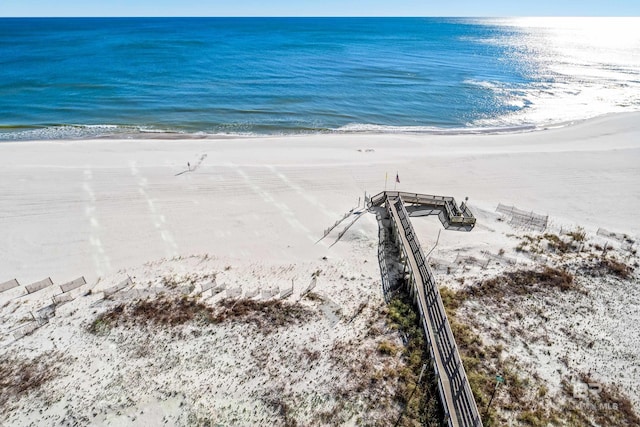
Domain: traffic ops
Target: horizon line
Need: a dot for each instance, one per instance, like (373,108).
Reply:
(317,16)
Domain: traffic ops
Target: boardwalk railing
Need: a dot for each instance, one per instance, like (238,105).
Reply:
(455,393)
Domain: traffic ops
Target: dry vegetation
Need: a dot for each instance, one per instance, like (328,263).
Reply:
(373,374)
(549,242)
(605,265)
(385,377)
(522,282)
(21,376)
(424,405)
(380,368)
(571,246)
(173,311)
(607,407)
(524,396)
(482,362)
(521,301)
(265,315)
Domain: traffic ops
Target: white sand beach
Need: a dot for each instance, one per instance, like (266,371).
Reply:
(251,211)
(94,207)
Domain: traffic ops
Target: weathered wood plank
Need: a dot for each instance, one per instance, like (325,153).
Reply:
(74,284)
(37,286)
(112,290)
(9,285)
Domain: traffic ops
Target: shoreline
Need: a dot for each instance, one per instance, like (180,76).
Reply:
(139,132)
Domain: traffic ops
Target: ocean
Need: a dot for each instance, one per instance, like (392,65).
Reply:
(105,77)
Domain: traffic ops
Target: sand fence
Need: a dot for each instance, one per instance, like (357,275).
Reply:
(74,284)
(626,242)
(43,314)
(523,219)
(117,288)
(9,285)
(38,286)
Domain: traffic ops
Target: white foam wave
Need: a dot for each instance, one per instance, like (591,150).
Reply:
(371,128)
(59,132)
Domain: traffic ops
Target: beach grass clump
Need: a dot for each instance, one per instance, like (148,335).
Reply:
(419,399)
(20,376)
(283,409)
(614,267)
(607,265)
(530,243)
(616,409)
(170,282)
(163,311)
(100,326)
(522,282)
(549,242)
(534,418)
(477,358)
(578,235)
(174,311)
(451,300)
(556,244)
(387,348)
(312,296)
(263,314)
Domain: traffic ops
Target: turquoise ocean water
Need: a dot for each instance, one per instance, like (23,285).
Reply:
(71,78)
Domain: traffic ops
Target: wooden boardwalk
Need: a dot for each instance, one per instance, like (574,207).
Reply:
(457,399)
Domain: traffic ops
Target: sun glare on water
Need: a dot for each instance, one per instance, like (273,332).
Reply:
(581,67)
